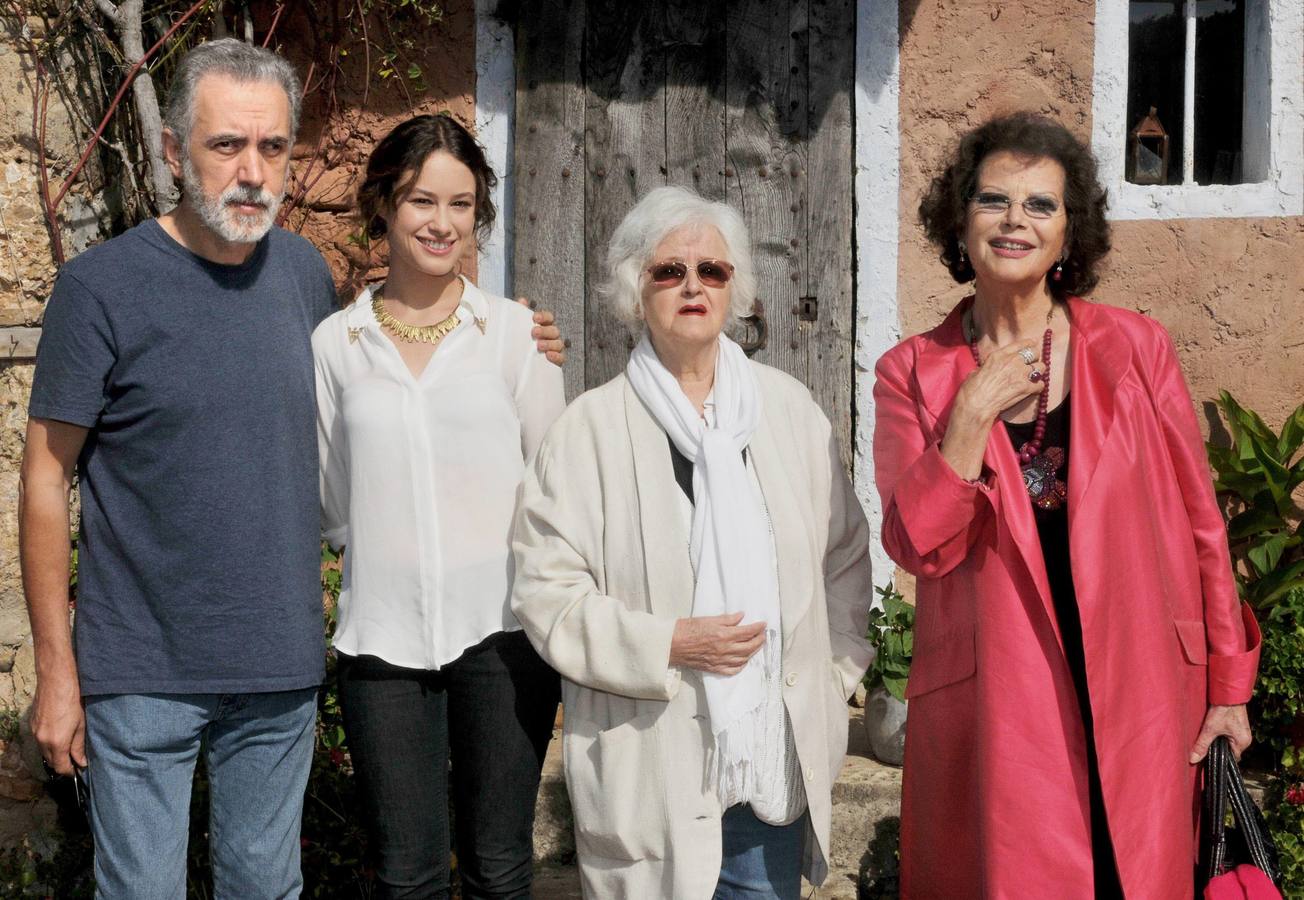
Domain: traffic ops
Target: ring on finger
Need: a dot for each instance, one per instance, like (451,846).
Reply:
(1027,355)
(1034,376)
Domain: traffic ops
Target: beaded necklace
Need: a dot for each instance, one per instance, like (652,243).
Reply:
(1028,452)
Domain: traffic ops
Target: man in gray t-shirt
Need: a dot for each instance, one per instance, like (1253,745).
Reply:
(175,374)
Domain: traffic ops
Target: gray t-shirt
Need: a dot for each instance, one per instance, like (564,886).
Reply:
(199,558)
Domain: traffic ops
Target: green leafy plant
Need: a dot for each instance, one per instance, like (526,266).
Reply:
(10,722)
(1277,714)
(892,635)
(1279,692)
(1285,815)
(34,869)
(73,540)
(880,865)
(1257,475)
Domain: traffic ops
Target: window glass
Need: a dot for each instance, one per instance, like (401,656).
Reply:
(1219,90)
(1156,56)
(1155,79)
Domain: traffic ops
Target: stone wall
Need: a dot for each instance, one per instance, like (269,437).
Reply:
(1230,291)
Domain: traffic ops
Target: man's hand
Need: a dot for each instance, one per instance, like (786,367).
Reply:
(546,333)
(58,722)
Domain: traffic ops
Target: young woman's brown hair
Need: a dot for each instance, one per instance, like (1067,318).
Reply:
(400,155)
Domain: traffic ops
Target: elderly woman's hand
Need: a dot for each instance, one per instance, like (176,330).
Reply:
(715,644)
(1000,382)
(1232,721)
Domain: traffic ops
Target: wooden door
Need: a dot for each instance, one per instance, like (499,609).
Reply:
(747,101)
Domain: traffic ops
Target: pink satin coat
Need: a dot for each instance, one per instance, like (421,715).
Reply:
(995,795)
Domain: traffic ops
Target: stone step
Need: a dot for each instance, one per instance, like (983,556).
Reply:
(866,810)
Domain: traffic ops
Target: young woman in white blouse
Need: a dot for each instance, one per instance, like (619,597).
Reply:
(431,396)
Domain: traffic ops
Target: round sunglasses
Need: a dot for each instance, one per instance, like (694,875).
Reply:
(713,273)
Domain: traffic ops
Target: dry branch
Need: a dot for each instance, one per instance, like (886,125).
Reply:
(126,19)
(117,98)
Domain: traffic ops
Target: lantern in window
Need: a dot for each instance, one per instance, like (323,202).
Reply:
(1147,157)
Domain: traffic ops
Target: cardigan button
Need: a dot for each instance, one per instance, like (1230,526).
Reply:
(810,774)
(791,679)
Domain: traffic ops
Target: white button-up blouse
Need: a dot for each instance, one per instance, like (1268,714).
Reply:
(419,475)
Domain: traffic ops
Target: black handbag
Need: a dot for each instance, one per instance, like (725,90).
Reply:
(1249,841)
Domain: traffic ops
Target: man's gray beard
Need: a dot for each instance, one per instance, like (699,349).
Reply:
(220,218)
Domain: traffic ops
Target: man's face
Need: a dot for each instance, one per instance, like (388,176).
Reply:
(234,166)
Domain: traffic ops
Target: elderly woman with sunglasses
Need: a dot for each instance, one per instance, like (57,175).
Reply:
(691,558)
(1078,639)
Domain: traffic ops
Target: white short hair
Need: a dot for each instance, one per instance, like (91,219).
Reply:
(661,211)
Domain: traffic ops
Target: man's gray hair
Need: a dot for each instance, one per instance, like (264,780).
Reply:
(661,211)
(234,59)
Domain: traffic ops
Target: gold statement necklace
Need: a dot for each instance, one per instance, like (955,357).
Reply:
(412,334)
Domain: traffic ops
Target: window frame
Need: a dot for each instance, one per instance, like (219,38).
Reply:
(1280,193)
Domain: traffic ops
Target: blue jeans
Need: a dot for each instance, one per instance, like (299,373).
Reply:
(492,712)
(142,750)
(760,861)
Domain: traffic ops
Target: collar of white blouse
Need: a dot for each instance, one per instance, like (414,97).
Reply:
(361,323)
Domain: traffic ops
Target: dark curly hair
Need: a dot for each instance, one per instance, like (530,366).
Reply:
(404,150)
(945,207)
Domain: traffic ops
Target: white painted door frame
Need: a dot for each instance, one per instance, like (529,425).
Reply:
(495,114)
(877,227)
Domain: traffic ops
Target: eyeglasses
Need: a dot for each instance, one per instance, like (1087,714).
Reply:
(713,273)
(999,204)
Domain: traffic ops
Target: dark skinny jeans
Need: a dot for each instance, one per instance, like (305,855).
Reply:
(493,710)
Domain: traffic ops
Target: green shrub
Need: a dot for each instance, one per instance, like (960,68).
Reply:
(10,723)
(1277,714)
(1278,704)
(892,635)
(1257,477)
(33,869)
(1285,814)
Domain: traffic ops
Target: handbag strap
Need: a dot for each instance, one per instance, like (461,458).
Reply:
(1249,823)
(1213,812)
(1223,784)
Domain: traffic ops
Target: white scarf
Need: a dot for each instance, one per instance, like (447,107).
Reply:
(729,544)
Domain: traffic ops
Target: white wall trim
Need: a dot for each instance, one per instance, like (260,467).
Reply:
(877,228)
(495,112)
(1281,194)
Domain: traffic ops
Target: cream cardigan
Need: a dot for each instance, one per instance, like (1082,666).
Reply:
(603,573)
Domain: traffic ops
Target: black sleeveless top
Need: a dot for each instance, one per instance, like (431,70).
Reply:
(1046,480)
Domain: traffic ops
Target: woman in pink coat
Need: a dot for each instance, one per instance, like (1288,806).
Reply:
(1078,641)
